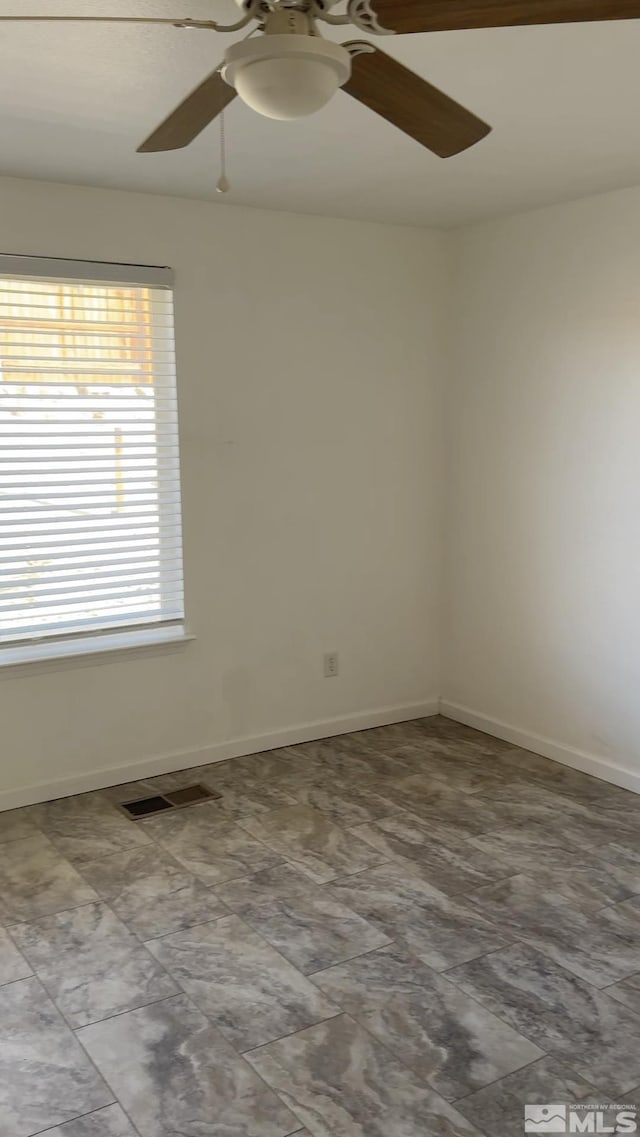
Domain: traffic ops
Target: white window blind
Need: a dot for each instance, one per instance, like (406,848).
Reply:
(90,530)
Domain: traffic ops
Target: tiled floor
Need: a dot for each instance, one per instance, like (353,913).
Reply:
(409,932)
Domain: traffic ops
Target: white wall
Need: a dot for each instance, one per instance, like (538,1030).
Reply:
(312,358)
(542,625)
(310,368)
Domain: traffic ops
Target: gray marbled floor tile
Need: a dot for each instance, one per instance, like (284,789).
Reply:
(399,901)
(499,1108)
(369,744)
(523,849)
(387,737)
(357,764)
(519,801)
(311,842)
(479,749)
(624,919)
(540,812)
(453,868)
(342,1083)
(410,796)
(427,758)
(35,879)
(441,832)
(16,824)
(175,1074)
(287,762)
(91,965)
(627,992)
(624,852)
(246,988)
(135,873)
(86,827)
(343,757)
(535,766)
(438,734)
(371,740)
(614,800)
(352,762)
(345,805)
(430,770)
(442,804)
(448,1039)
(333,757)
(444,750)
(466,772)
(563,779)
(12,965)
(288,766)
(519,790)
(438,726)
(348,761)
(593,830)
(548,830)
(45,1076)
(243,792)
(151,892)
(211,849)
(623,922)
(599,949)
(172,911)
(559,1012)
(305,924)
(589,887)
(424,734)
(468,779)
(435,769)
(389,769)
(108,1122)
(478,740)
(583,875)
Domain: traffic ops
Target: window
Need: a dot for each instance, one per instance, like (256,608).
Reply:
(90,532)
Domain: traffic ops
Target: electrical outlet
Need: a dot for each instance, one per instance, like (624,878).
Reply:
(330,664)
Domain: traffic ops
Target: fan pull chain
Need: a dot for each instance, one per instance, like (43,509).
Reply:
(222,184)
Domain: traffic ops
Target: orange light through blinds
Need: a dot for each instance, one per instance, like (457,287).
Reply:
(90,531)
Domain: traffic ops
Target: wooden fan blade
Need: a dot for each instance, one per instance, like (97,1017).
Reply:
(404,16)
(187,121)
(412,104)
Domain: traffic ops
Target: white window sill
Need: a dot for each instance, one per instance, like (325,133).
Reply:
(87,650)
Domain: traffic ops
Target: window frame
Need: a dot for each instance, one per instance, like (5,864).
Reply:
(80,646)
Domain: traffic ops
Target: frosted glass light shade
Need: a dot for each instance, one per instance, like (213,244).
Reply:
(286,76)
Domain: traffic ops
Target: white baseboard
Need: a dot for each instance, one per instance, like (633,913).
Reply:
(272,740)
(579,759)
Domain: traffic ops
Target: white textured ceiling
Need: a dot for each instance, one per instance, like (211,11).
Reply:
(75,101)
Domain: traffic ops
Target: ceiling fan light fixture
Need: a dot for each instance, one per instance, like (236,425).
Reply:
(286,76)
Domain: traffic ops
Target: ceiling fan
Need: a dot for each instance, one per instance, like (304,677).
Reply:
(291,71)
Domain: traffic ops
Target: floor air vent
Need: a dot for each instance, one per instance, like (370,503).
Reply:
(172,799)
(146,805)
